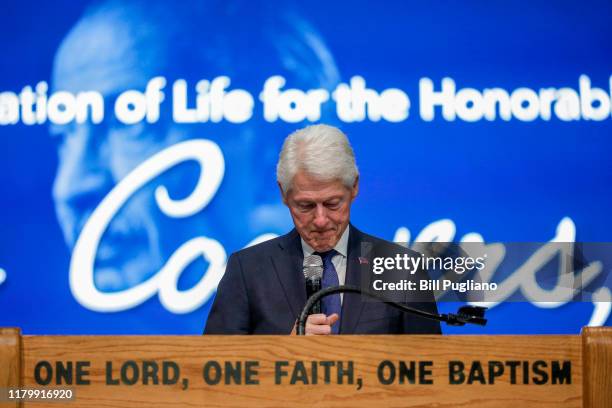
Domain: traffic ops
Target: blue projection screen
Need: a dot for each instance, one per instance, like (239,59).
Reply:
(139,142)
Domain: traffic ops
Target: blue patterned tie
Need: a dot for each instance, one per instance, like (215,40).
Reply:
(330,304)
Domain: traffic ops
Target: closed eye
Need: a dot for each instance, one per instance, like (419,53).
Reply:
(333,204)
(304,206)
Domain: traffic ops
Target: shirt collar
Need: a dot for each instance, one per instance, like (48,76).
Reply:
(341,246)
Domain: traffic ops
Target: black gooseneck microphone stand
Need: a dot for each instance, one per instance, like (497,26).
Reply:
(465,314)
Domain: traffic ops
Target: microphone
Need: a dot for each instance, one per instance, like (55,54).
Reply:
(313,272)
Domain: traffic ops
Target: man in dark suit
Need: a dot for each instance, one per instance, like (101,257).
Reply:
(263,289)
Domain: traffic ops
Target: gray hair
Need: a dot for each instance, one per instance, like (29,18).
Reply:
(321,151)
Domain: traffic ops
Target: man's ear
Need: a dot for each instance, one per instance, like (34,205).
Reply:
(282,193)
(355,189)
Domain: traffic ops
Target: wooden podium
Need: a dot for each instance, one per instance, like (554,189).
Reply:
(336,371)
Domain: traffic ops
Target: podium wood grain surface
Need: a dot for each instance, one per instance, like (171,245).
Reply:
(367,354)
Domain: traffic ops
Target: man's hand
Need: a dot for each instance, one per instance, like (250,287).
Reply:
(318,324)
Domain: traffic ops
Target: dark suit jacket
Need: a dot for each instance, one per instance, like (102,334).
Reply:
(263,292)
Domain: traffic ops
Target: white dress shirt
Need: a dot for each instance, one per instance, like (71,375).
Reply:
(339,259)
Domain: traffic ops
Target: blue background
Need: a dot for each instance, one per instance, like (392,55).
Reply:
(508,181)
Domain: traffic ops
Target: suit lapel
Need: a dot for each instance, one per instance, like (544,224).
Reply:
(352,305)
(288,267)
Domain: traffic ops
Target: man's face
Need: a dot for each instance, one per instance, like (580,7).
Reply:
(114,52)
(320,209)
(99,55)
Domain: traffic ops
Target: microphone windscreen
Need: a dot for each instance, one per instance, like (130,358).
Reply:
(313,267)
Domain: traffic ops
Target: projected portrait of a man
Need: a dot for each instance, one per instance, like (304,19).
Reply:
(122,45)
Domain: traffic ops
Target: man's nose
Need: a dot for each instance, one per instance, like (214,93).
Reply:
(321,218)
(83,177)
